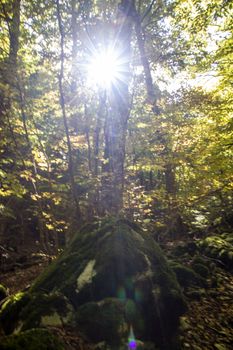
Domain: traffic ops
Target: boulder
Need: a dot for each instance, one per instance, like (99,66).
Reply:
(187,276)
(27,310)
(33,339)
(112,277)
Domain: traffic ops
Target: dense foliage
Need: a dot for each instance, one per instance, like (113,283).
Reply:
(53,144)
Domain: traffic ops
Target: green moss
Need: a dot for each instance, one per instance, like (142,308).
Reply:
(128,265)
(130,224)
(25,310)
(113,243)
(53,278)
(103,321)
(117,261)
(70,264)
(53,320)
(140,346)
(219,247)
(179,250)
(11,309)
(187,276)
(3,292)
(195,294)
(199,260)
(147,346)
(201,270)
(89,227)
(34,339)
(43,308)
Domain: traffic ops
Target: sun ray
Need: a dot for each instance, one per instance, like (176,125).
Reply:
(106,68)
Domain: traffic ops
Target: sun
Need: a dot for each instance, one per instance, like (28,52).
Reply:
(104,68)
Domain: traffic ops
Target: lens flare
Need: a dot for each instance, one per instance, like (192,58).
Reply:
(132,344)
(104,68)
(121,293)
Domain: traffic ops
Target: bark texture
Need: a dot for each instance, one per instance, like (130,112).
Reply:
(118,113)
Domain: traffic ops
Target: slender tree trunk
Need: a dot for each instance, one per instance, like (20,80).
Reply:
(170,179)
(145,62)
(175,226)
(52,208)
(74,32)
(152,99)
(44,240)
(14,29)
(87,131)
(99,120)
(96,147)
(8,71)
(118,114)
(64,115)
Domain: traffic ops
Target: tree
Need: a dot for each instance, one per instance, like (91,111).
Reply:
(84,148)
(118,114)
(63,107)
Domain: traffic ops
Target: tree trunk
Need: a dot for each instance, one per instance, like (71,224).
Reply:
(64,116)
(99,121)
(74,32)
(151,95)
(14,31)
(8,69)
(118,114)
(145,62)
(44,240)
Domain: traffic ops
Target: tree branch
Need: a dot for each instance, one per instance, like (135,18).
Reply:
(148,10)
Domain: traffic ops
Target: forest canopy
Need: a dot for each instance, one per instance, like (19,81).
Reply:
(114,108)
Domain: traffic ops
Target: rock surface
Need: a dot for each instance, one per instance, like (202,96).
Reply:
(33,339)
(111,276)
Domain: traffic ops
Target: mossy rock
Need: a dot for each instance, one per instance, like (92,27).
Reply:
(10,311)
(201,269)
(200,260)
(179,250)
(46,310)
(110,320)
(34,339)
(25,310)
(220,248)
(186,276)
(3,292)
(103,320)
(185,248)
(195,294)
(118,271)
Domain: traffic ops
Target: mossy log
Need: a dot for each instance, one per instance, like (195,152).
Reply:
(111,276)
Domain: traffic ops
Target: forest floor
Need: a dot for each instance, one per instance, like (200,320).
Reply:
(207,325)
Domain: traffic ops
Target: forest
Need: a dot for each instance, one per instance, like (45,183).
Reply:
(116,174)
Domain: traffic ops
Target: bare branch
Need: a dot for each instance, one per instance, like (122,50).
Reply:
(148,10)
